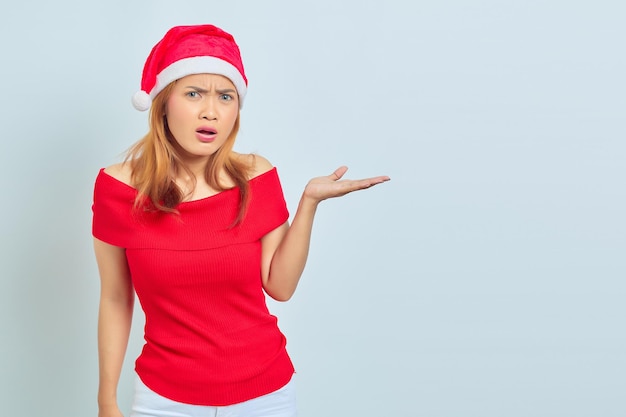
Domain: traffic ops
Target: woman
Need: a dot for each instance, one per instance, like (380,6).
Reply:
(200,233)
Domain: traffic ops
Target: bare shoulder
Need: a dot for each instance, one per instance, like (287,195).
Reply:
(121,172)
(258,164)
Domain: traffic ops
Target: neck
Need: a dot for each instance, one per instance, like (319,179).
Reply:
(191,180)
(197,167)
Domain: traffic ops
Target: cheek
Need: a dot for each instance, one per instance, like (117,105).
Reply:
(169,105)
(175,116)
(177,105)
(232,116)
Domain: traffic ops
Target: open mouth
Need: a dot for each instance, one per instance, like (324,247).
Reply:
(207,131)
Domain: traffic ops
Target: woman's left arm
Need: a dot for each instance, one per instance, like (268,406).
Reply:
(286,248)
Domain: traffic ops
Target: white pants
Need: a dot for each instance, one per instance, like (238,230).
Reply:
(280,403)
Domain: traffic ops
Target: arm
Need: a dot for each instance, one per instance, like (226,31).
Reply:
(114,321)
(285,249)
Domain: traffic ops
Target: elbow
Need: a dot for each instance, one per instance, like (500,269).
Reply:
(282,298)
(118,302)
(280,295)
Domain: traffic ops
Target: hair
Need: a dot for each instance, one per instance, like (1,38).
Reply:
(155,164)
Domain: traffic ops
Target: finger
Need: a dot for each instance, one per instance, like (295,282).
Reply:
(339,172)
(379,179)
(366,183)
(372,180)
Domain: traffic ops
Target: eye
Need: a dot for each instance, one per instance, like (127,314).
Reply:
(192,94)
(226,97)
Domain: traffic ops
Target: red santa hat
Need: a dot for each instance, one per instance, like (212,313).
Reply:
(186,50)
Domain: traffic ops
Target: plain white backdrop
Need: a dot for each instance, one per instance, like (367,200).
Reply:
(487,279)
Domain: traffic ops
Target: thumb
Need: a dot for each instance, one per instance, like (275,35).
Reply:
(339,172)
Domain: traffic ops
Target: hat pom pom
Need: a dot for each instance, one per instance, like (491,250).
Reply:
(141,101)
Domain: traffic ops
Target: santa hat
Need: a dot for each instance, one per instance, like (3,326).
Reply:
(186,50)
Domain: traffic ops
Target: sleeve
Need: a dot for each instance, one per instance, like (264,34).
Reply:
(267,209)
(112,211)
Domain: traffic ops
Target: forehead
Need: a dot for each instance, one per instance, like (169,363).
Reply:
(206,80)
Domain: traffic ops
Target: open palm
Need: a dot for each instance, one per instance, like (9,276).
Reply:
(332,185)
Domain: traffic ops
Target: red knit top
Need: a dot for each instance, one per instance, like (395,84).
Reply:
(209,337)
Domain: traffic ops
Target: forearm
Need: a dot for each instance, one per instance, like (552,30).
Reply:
(283,262)
(291,255)
(114,322)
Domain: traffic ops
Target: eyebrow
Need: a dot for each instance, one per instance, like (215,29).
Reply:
(203,90)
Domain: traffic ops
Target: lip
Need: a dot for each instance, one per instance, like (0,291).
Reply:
(206,134)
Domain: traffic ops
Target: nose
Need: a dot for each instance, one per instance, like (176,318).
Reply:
(209,110)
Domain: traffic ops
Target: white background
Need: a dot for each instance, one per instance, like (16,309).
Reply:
(486,279)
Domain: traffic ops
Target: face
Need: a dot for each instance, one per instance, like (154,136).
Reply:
(201,112)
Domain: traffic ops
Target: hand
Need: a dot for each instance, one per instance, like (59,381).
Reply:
(330,186)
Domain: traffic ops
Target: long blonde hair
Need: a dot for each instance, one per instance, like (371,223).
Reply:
(155,163)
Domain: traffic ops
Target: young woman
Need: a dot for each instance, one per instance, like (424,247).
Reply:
(199,232)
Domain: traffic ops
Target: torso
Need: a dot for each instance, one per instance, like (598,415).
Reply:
(224,346)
